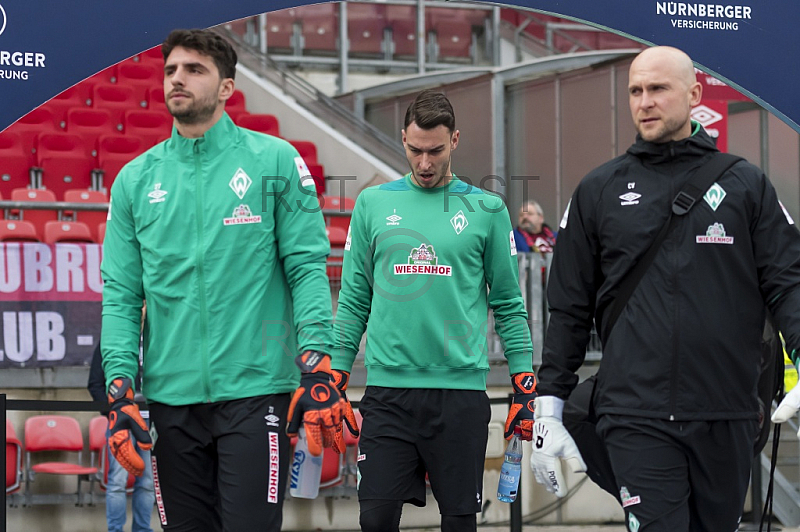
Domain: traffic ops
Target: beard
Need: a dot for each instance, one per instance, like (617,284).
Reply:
(195,113)
(528,227)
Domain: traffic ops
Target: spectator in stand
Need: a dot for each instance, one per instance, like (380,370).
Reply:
(532,234)
(116,496)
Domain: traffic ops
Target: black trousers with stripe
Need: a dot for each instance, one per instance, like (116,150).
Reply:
(221,466)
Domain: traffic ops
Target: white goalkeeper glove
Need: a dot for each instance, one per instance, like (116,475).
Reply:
(788,407)
(551,442)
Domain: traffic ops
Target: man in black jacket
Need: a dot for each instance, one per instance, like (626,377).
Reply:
(675,396)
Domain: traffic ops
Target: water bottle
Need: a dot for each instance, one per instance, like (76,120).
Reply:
(306,470)
(512,469)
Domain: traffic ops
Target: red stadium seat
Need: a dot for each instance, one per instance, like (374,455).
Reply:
(13,459)
(62,231)
(337,236)
(66,160)
(91,218)
(37,217)
(151,56)
(116,99)
(341,204)
(30,126)
(318,173)
(107,75)
(155,100)
(101,232)
(91,124)
(15,163)
(332,468)
(98,427)
(454,41)
(306,149)
(403,22)
(141,77)
(151,126)
(365,25)
(338,203)
(320,26)
(453,29)
(236,104)
(76,97)
(54,433)
(258,122)
(280,27)
(114,152)
(17,231)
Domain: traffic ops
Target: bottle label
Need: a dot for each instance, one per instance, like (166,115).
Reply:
(297,462)
(509,481)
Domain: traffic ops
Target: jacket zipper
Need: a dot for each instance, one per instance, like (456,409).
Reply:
(201,278)
(673,379)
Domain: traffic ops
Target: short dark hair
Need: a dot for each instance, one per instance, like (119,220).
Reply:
(206,42)
(431,109)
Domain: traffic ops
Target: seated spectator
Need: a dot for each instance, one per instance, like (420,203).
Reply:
(532,234)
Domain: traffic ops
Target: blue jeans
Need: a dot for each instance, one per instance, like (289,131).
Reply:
(116,499)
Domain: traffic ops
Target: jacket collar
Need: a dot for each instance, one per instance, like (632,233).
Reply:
(696,145)
(215,141)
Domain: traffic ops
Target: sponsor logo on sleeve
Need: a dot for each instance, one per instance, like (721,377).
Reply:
(513,243)
(564,218)
(785,213)
(306,179)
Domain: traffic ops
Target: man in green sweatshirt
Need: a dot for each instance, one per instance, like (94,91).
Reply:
(426,257)
(219,229)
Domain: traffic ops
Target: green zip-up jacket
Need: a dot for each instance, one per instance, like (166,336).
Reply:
(423,266)
(227,244)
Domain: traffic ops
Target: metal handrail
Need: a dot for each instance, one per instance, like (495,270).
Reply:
(337,115)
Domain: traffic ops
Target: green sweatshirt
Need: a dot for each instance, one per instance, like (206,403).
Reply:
(227,244)
(423,266)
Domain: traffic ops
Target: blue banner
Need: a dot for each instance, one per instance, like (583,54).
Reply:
(48,46)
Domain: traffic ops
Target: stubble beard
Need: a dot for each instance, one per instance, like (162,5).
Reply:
(196,113)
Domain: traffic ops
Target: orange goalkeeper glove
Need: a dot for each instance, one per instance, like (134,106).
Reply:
(521,411)
(341,379)
(316,403)
(124,420)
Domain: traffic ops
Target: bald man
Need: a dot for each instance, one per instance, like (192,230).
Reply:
(673,409)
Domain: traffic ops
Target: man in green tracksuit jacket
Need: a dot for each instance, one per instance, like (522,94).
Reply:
(218,228)
(426,256)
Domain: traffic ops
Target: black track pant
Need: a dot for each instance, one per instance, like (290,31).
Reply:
(221,466)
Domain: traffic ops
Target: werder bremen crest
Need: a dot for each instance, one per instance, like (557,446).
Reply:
(714,196)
